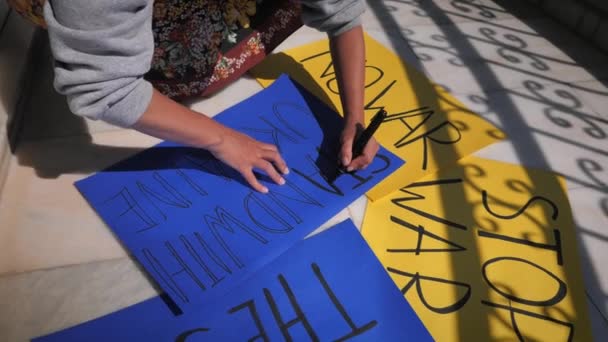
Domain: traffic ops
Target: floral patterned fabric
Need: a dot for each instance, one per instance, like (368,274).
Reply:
(202,45)
(30,9)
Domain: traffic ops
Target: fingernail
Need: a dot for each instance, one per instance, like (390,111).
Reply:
(344,161)
(350,169)
(286,171)
(282,181)
(265,190)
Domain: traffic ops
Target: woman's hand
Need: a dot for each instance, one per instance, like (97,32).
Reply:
(245,154)
(369,151)
(169,120)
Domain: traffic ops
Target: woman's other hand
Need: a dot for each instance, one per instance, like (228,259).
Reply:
(245,154)
(169,120)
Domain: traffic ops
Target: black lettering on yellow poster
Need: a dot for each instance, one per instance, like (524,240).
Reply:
(484,251)
(426,126)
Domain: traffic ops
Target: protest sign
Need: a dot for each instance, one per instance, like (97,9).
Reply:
(329,287)
(484,251)
(198,228)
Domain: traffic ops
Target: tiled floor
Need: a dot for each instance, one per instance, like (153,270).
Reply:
(59,265)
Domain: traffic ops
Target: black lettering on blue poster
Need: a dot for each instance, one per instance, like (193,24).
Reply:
(386,163)
(199,189)
(250,306)
(274,132)
(128,210)
(212,166)
(283,324)
(261,219)
(274,207)
(278,109)
(209,251)
(354,329)
(163,274)
(169,195)
(183,337)
(227,222)
(199,260)
(318,178)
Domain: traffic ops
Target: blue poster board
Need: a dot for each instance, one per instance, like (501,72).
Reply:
(330,287)
(198,228)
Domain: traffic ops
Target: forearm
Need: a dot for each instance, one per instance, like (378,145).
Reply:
(169,120)
(348,55)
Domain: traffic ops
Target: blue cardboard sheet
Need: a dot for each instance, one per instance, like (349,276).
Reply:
(198,228)
(329,287)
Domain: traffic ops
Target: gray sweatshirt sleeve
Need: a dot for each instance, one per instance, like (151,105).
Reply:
(332,16)
(102,49)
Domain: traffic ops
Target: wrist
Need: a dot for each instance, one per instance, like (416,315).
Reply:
(351,119)
(214,136)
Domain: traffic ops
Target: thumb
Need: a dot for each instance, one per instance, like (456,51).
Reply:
(346,150)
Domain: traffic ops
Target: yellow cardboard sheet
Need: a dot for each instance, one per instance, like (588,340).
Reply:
(427,127)
(484,251)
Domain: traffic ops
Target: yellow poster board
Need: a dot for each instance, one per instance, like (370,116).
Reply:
(484,251)
(427,127)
